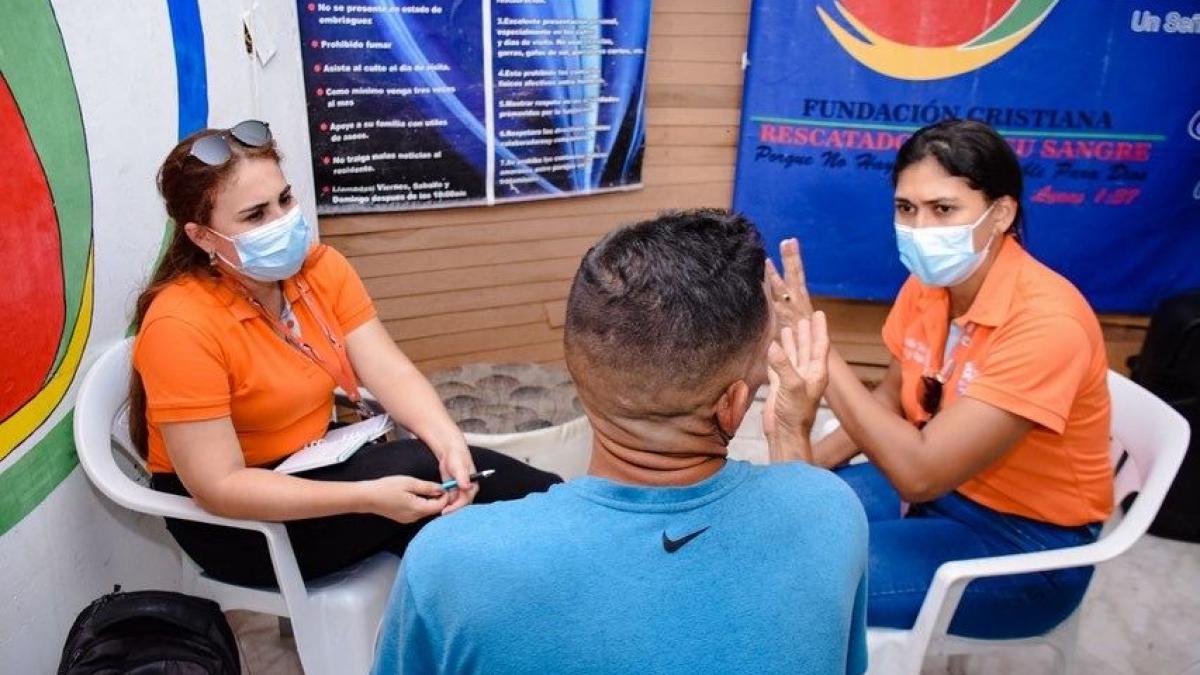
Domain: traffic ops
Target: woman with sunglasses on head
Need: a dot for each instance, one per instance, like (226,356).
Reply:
(244,331)
(989,433)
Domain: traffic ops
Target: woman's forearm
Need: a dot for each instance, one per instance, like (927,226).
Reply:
(262,494)
(414,403)
(835,449)
(209,461)
(890,441)
(922,464)
(400,387)
(838,447)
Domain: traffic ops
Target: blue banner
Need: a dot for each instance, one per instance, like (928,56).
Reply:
(436,103)
(1100,101)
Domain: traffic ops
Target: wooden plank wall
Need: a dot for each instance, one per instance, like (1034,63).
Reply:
(488,284)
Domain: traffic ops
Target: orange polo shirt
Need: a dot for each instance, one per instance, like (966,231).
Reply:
(204,352)
(1037,351)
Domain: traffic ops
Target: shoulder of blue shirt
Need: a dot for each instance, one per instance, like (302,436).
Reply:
(482,532)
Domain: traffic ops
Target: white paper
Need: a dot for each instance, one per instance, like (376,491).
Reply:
(337,446)
(262,31)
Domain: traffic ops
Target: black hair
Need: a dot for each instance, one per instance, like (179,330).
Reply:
(971,150)
(676,299)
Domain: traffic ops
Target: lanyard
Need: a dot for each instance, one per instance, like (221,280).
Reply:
(343,374)
(941,377)
(964,340)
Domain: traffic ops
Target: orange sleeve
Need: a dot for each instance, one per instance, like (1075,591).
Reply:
(343,290)
(183,371)
(1033,368)
(898,318)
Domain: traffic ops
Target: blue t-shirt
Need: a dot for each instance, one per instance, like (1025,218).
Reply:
(759,569)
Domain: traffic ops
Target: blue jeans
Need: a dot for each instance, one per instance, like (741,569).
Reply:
(906,551)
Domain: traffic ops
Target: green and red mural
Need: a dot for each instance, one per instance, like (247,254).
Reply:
(45,224)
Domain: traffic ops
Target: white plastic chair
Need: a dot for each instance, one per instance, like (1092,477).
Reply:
(564,449)
(334,619)
(1155,438)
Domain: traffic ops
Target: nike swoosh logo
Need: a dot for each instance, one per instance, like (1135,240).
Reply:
(671,545)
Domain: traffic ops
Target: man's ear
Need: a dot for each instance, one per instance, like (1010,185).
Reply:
(732,407)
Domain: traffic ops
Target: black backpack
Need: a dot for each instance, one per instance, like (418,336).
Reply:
(150,632)
(1169,366)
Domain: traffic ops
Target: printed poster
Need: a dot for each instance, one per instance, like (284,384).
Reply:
(448,103)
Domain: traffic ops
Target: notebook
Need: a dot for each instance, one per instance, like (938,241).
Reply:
(337,446)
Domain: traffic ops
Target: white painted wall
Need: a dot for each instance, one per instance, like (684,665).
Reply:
(75,545)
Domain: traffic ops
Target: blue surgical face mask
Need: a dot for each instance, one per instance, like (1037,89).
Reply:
(273,251)
(942,256)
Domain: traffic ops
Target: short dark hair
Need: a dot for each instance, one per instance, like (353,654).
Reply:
(971,150)
(675,300)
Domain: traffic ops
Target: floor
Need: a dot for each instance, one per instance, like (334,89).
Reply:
(1141,617)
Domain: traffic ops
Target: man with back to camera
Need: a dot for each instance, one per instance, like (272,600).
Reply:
(667,557)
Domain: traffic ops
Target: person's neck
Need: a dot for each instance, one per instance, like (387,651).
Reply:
(963,295)
(269,294)
(674,452)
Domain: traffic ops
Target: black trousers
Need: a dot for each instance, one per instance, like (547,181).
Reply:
(324,545)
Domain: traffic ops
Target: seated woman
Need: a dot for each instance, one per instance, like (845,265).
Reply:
(244,331)
(992,421)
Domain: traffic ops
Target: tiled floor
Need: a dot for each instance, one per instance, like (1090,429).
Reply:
(264,652)
(1141,617)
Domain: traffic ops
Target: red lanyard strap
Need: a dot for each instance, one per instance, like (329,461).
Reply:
(348,381)
(343,374)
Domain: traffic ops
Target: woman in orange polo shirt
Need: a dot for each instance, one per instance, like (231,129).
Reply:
(992,420)
(244,331)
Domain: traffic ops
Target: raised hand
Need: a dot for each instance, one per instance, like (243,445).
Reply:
(798,372)
(789,293)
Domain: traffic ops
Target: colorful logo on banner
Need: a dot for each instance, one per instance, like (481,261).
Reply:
(904,42)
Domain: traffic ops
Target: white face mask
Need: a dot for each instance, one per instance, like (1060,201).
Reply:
(273,251)
(942,256)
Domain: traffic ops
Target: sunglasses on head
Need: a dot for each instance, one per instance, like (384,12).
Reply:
(215,150)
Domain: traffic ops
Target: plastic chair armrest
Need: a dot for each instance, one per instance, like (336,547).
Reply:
(1021,563)
(153,502)
(283,558)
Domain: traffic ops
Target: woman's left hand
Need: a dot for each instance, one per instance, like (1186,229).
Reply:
(454,461)
(789,293)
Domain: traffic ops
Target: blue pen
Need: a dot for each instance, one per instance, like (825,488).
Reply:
(452,484)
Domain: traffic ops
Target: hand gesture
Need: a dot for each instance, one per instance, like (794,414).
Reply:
(789,293)
(405,499)
(798,372)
